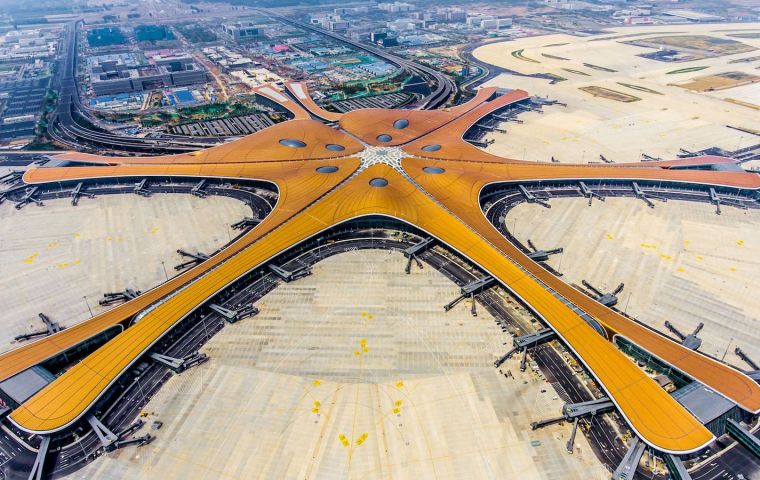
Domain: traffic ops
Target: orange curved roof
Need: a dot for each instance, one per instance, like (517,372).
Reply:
(297,186)
(274,94)
(444,205)
(261,146)
(368,124)
(300,92)
(458,188)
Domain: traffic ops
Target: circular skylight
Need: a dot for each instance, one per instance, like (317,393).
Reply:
(401,123)
(327,169)
(434,170)
(384,137)
(378,182)
(335,147)
(292,142)
(431,148)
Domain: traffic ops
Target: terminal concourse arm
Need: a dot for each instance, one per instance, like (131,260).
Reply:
(459,190)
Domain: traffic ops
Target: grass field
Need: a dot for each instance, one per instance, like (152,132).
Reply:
(639,88)
(519,54)
(686,70)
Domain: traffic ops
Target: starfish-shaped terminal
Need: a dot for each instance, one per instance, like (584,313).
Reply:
(414,167)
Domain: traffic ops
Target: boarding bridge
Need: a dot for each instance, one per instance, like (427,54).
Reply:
(51,327)
(79,192)
(412,252)
(606,299)
(142,188)
(470,290)
(179,365)
(690,341)
(627,468)
(198,190)
(11,177)
(530,197)
(116,297)
(573,412)
(588,193)
(718,200)
(195,259)
(246,222)
(106,436)
(743,436)
(288,276)
(641,194)
(591,407)
(233,316)
(29,198)
(542,255)
(522,343)
(139,441)
(675,468)
(39,461)
(740,353)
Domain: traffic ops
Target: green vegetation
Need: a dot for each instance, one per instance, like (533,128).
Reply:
(195,33)
(577,72)
(639,88)
(555,57)
(102,37)
(376,86)
(519,54)
(153,33)
(686,70)
(211,111)
(597,67)
(750,35)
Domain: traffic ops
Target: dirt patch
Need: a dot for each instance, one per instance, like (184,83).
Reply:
(720,81)
(680,48)
(610,94)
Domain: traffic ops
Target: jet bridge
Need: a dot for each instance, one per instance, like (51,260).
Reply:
(609,299)
(691,340)
(116,297)
(246,222)
(289,275)
(195,259)
(412,252)
(627,468)
(522,343)
(233,316)
(470,290)
(542,255)
(142,188)
(79,192)
(198,190)
(179,365)
(531,197)
(29,197)
(588,193)
(640,193)
(51,327)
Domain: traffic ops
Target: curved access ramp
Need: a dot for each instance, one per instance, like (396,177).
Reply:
(300,92)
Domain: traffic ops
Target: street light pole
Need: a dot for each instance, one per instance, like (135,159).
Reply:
(727,347)
(163,265)
(88,306)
